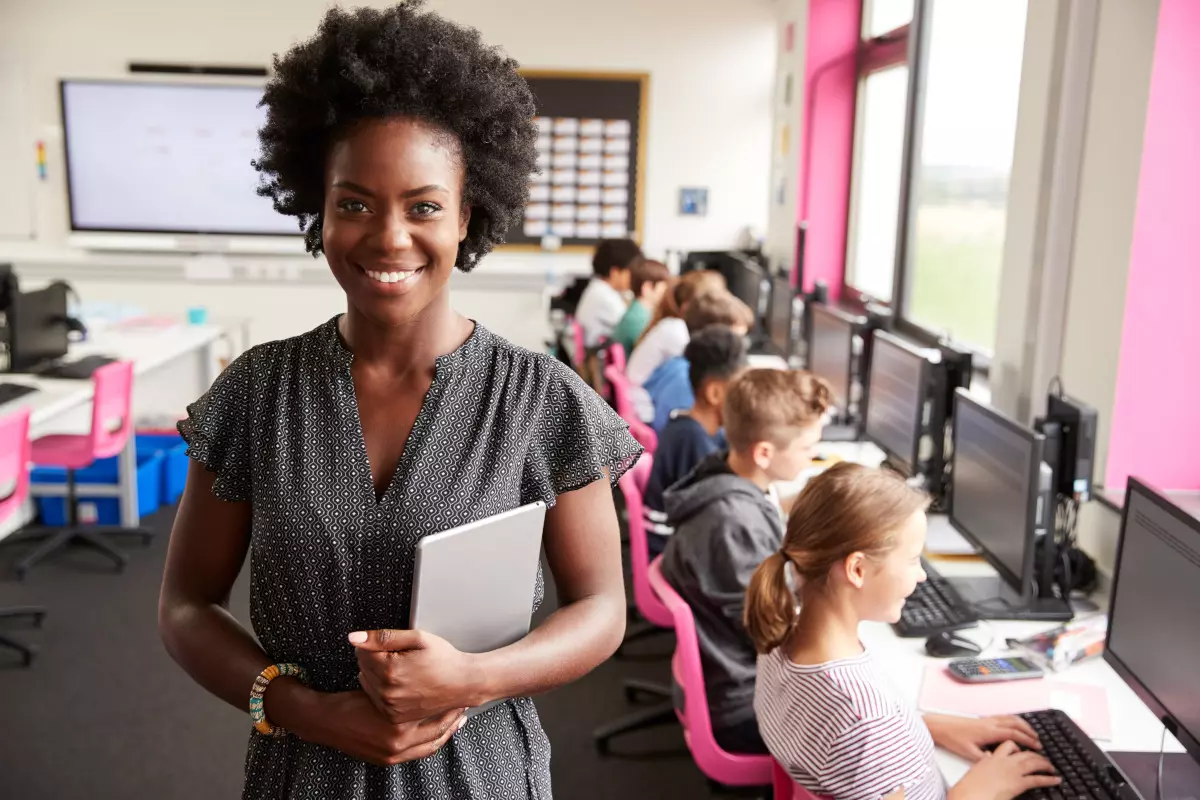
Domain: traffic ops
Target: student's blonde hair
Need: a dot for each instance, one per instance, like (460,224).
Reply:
(682,292)
(846,509)
(768,405)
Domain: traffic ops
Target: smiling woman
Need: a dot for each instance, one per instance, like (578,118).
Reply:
(403,144)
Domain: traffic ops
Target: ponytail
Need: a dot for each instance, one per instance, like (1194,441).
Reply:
(770,604)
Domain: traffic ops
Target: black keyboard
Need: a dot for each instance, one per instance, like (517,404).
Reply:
(13,391)
(80,369)
(1085,769)
(935,607)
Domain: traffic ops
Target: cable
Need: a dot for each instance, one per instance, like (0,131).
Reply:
(1162,749)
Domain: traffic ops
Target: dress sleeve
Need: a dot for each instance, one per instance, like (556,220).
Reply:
(577,437)
(218,430)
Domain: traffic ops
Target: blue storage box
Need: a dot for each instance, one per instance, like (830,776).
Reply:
(175,460)
(107,510)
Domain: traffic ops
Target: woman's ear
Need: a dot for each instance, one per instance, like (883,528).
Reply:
(464,219)
(764,454)
(855,568)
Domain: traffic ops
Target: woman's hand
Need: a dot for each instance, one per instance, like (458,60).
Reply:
(412,675)
(967,736)
(354,726)
(1004,774)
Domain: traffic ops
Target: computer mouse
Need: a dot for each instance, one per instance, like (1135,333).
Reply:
(950,645)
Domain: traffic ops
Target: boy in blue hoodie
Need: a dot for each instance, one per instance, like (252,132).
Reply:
(727,520)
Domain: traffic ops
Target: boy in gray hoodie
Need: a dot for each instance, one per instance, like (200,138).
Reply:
(727,520)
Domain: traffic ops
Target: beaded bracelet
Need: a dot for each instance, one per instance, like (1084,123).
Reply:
(258,714)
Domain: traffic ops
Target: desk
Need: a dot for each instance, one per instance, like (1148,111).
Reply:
(173,365)
(1134,728)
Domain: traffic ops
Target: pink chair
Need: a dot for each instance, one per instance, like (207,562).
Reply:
(112,427)
(787,789)
(656,617)
(14,472)
(726,768)
(616,357)
(579,349)
(623,400)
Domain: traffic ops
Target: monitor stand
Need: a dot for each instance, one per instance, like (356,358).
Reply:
(994,599)
(1181,774)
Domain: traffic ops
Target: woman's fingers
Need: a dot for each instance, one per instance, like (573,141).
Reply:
(446,726)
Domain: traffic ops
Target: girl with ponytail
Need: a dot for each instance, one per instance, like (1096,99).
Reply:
(827,712)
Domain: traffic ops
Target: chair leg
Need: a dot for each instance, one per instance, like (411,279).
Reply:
(641,630)
(27,651)
(104,546)
(636,689)
(37,613)
(640,720)
(52,545)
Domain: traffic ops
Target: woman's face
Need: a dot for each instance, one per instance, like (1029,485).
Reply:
(891,578)
(393,216)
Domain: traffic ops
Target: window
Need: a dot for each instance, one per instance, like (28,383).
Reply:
(883,16)
(875,191)
(959,189)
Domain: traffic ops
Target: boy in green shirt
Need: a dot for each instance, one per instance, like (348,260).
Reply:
(649,282)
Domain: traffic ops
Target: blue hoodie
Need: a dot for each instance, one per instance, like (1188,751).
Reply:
(670,389)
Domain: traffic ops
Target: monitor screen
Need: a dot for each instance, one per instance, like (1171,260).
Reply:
(779,317)
(1153,635)
(994,487)
(745,279)
(896,399)
(832,350)
(39,327)
(166,157)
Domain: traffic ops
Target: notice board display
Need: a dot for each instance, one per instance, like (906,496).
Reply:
(591,158)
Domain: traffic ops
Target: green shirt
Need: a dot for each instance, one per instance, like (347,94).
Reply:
(636,318)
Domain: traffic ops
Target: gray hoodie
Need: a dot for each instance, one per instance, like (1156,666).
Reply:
(725,526)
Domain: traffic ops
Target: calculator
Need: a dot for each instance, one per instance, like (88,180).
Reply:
(985,670)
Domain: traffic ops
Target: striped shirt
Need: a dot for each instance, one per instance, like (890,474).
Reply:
(842,731)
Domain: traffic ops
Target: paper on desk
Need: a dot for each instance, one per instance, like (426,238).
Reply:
(941,538)
(1087,705)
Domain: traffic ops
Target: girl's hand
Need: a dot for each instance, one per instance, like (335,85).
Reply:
(967,736)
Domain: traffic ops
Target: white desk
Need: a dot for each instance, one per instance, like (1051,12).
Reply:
(1134,728)
(173,365)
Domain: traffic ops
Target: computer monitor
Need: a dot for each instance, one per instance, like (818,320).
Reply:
(779,315)
(996,488)
(1153,638)
(831,349)
(745,279)
(896,390)
(38,327)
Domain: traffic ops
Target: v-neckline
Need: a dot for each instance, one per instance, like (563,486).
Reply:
(441,369)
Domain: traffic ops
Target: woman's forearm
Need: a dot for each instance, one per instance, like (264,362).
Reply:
(570,643)
(213,648)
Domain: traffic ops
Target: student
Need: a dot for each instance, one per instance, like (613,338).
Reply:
(727,521)
(650,281)
(603,303)
(668,390)
(825,709)
(715,356)
(667,333)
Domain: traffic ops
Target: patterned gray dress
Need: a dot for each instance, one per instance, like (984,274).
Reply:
(500,427)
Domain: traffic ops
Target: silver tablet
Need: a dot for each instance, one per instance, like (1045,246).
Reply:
(473,585)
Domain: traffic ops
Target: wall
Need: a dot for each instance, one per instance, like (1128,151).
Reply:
(711,65)
(788,123)
(1108,187)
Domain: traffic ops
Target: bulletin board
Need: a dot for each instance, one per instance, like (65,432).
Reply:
(591,158)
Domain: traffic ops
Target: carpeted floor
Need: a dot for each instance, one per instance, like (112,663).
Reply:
(104,713)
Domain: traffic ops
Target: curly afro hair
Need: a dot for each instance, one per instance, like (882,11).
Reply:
(368,63)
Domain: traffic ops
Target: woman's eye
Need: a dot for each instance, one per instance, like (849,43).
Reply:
(353,206)
(426,209)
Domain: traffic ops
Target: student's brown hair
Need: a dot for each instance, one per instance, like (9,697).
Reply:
(717,308)
(686,289)
(846,509)
(763,405)
(644,272)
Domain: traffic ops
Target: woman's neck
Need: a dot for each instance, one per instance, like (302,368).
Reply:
(414,344)
(827,630)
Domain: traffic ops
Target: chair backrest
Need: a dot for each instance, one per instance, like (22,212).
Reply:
(624,402)
(577,341)
(787,789)
(728,768)
(633,487)
(112,408)
(14,461)
(616,357)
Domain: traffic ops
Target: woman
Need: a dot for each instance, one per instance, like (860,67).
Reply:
(404,146)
